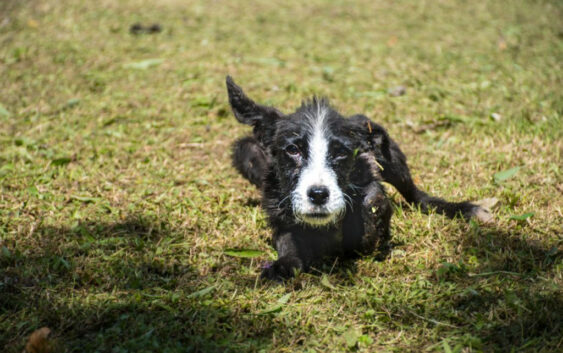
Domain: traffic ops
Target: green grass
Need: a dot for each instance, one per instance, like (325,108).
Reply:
(118,201)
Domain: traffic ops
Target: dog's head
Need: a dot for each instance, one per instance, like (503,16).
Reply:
(313,150)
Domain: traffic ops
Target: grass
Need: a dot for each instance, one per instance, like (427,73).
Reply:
(118,204)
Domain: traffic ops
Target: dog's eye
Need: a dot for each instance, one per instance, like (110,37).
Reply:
(292,150)
(340,153)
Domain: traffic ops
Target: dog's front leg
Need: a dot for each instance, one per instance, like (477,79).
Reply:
(366,227)
(395,171)
(376,215)
(290,258)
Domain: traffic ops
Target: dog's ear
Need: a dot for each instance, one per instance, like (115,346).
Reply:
(371,136)
(245,109)
(380,139)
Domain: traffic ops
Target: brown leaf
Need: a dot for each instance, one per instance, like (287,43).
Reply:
(32,23)
(397,91)
(392,41)
(39,341)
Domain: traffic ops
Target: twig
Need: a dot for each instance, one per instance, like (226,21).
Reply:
(494,273)
(433,321)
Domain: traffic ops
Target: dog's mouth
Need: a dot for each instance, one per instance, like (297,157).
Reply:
(317,215)
(317,219)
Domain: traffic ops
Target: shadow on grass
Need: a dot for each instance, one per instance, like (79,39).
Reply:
(111,288)
(344,269)
(529,308)
(503,300)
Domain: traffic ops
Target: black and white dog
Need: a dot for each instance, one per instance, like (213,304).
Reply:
(320,175)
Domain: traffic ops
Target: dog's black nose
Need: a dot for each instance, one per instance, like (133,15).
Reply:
(318,194)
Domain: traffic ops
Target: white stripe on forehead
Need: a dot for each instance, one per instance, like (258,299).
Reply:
(318,142)
(317,118)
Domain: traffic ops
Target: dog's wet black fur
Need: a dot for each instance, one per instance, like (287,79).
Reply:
(359,154)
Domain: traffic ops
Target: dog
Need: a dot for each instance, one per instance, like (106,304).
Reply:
(320,174)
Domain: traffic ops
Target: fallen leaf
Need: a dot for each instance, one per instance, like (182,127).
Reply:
(397,91)
(447,348)
(202,292)
(271,309)
(506,174)
(284,299)
(246,253)
(71,103)
(4,112)
(522,217)
(351,337)
(325,282)
(61,161)
(85,199)
(144,64)
(365,339)
(268,61)
(32,23)
(392,41)
(6,252)
(276,307)
(38,341)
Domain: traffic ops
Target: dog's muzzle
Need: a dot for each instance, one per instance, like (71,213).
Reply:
(319,206)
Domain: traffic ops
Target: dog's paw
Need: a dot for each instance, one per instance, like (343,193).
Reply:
(476,212)
(281,269)
(482,209)
(481,214)
(471,211)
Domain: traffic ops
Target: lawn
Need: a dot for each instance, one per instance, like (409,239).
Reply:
(119,206)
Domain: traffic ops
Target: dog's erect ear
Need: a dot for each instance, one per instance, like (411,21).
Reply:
(380,139)
(245,109)
(372,135)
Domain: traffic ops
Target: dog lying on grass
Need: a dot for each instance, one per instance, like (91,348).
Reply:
(320,175)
